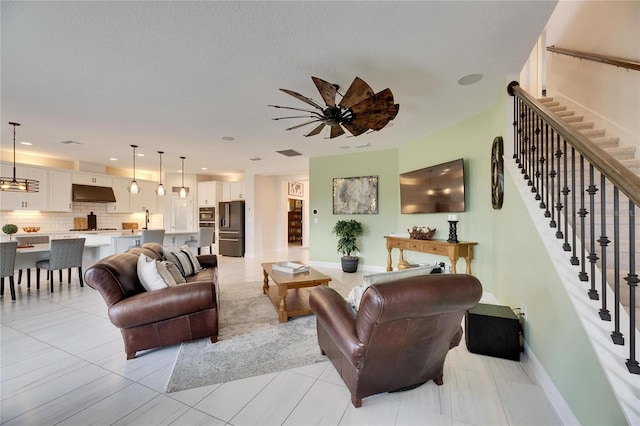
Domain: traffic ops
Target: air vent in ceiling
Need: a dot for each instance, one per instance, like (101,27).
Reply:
(289,153)
(255,158)
(71,143)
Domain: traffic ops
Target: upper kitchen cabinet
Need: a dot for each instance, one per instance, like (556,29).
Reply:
(145,199)
(94,179)
(209,193)
(233,191)
(121,191)
(25,200)
(59,191)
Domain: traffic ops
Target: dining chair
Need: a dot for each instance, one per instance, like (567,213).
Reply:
(7,265)
(30,239)
(64,254)
(205,239)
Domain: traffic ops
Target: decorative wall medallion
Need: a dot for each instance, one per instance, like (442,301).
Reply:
(497,173)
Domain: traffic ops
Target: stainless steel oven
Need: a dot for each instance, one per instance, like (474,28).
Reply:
(207,217)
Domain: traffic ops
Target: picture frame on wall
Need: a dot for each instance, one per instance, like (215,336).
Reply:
(355,195)
(296,189)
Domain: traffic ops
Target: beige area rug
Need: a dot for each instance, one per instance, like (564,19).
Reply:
(251,342)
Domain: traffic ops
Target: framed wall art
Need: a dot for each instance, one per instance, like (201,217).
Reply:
(355,195)
(296,189)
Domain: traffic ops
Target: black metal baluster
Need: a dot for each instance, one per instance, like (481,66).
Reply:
(582,213)
(562,190)
(632,281)
(565,192)
(525,146)
(616,336)
(516,130)
(553,174)
(535,154)
(593,257)
(574,258)
(604,242)
(545,170)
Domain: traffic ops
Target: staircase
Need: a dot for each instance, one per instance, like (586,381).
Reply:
(628,157)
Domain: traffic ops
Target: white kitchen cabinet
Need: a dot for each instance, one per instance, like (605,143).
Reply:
(25,200)
(59,191)
(145,199)
(209,193)
(94,179)
(120,189)
(233,191)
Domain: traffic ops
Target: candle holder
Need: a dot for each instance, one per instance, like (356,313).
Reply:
(453,231)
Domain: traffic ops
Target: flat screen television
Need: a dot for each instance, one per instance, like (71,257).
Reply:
(435,189)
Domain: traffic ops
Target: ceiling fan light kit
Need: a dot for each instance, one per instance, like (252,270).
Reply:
(360,110)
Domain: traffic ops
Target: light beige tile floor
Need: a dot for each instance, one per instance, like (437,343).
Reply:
(62,362)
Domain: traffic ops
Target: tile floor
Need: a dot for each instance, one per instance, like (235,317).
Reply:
(62,362)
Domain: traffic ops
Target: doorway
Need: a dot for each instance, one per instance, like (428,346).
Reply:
(294,222)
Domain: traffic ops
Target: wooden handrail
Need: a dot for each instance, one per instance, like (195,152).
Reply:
(611,60)
(626,181)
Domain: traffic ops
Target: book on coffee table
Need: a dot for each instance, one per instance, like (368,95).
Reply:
(289,267)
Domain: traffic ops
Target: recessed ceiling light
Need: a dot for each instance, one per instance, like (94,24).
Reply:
(26,143)
(203,168)
(228,138)
(113,159)
(140,155)
(469,79)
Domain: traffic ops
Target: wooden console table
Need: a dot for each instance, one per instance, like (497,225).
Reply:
(453,251)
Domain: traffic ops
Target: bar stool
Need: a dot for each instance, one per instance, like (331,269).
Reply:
(65,254)
(7,265)
(25,240)
(205,239)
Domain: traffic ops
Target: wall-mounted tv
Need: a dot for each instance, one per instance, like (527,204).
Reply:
(435,189)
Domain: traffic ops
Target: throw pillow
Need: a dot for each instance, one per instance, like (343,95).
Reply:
(148,274)
(184,260)
(173,269)
(167,277)
(355,296)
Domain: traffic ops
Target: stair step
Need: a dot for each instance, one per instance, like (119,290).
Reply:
(564,112)
(622,153)
(593,133)
(573,118)
(582,125)
(557,108)
(545,99)
(551,104)
(606,142)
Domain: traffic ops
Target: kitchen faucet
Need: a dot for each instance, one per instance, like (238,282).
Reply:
(146,219)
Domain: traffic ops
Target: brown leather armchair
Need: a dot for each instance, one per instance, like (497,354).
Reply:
(401,334)
(149,319)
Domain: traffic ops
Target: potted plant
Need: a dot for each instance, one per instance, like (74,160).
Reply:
(9,229)
(347,232)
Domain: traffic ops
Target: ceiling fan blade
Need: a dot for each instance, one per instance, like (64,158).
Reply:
(354,128)
(302,98)
(336,131)
(327,91)
(303,124)
(358,91)
(296,116)
(316,130)
(381,100)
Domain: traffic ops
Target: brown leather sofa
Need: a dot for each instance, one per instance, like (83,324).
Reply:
(150,319)
(401,334)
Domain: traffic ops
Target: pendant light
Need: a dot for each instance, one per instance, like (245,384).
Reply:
(160,191)
(183,190)
(13,184)
(134,188)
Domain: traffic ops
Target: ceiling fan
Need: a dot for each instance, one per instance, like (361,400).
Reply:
(358,111)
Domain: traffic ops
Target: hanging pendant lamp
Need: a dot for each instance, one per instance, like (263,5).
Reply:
(160,191)
(13,184)
(183,190)
(133,187)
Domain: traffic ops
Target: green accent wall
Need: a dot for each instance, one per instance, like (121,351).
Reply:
(510,259)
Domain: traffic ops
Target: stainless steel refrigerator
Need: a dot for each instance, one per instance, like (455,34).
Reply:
(231,225)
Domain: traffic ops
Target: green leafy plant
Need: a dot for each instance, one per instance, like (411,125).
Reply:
(347,232)
(9,229)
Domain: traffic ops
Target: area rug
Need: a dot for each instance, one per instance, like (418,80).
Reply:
(251,342)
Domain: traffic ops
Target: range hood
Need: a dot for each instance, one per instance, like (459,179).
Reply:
(93,194)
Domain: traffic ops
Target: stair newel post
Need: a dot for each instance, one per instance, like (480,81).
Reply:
(593,257)
(632,281)
(582,213)
(616,335)
(552,174)
(604,242)
(574,209)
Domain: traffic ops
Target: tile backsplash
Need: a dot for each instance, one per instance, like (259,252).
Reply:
(63,221)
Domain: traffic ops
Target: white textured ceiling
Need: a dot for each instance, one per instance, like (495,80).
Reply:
(179,76)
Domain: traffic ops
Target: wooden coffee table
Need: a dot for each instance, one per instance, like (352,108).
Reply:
(295,302)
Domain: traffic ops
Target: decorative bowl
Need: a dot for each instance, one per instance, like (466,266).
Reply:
(31,229)
(423,233)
